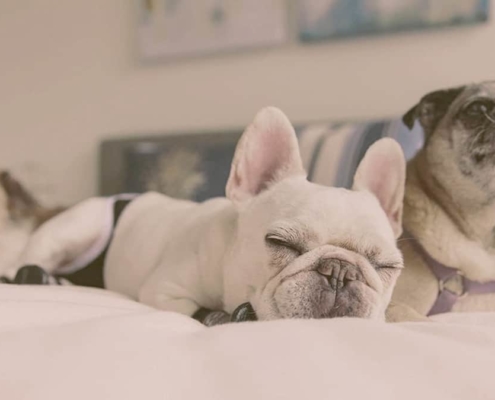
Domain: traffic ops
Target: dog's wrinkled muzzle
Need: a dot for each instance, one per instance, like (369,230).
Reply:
(327,282)
(338,273)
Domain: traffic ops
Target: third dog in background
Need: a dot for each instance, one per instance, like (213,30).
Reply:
(449,209)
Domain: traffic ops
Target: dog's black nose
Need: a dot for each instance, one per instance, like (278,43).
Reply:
(338,272)
(31,275)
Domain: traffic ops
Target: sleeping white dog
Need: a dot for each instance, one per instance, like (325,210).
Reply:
(291,248)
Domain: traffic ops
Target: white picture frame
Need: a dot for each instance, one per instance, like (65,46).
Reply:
(183,28)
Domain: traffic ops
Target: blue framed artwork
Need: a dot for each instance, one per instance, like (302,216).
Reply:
(185,166)
(325,19)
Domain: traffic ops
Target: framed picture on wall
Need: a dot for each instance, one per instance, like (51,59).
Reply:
(192,167)
(179,28)
(325,19)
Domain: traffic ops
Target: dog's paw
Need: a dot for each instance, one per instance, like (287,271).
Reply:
(31,275)
(397,312)
(211,318)
(244,312)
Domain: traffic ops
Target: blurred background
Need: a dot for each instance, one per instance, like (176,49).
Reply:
(79,72)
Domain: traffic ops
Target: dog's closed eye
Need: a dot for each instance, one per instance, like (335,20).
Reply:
(388,271)
(479,108)
(387,266)
(278,242)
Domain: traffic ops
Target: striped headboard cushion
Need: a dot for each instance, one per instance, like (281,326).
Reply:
(196,166)
(332,152)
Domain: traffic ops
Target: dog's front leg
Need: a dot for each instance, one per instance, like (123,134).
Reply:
(159,291)
(184,306)
(400,312)
(168,296)
(211,318)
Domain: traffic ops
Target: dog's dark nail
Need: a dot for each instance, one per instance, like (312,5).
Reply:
(201,314)
(244,312)
(32,275)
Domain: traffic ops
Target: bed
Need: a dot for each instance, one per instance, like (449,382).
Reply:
(61,342)
(79,343)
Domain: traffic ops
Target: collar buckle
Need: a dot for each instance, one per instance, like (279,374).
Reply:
(455,284)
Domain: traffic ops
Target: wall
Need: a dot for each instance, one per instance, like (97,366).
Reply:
(69,76)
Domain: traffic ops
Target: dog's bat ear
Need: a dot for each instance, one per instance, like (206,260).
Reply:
(410,117)
(20,202)
(431,109)
(382,172)
(267,152)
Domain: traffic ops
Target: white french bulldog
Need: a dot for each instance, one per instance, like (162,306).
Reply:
(291,248)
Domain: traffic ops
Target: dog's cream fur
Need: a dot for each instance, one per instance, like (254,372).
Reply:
(290,247)
(450,213)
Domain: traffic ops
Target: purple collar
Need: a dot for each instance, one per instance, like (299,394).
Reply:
(446,276)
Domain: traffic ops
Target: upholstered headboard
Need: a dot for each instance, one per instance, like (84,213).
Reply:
(196,166)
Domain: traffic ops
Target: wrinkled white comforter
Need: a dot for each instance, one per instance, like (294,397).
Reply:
(78,343)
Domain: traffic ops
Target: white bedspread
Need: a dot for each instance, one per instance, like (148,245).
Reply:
(76,343)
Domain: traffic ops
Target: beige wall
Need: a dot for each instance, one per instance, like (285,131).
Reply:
(69,77)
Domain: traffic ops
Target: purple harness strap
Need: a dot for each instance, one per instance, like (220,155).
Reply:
(446,297)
